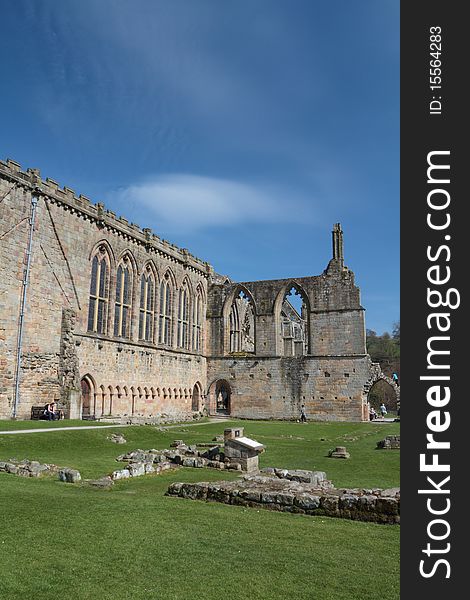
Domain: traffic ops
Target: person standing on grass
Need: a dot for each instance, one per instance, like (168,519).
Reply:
(303,415)
(383,410)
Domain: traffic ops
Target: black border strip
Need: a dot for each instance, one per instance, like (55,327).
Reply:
(427,128)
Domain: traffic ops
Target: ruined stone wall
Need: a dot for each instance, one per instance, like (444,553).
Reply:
(67,230)
(275,388)
(130,377)
(329,379)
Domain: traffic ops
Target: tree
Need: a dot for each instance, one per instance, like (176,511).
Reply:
(396,333)
(381,347)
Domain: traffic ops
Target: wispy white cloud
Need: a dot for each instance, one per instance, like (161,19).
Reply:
(181,202)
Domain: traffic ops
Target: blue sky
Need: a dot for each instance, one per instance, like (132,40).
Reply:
(239,129)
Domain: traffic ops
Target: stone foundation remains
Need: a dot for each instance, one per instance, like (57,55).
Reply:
(391,442)
(33,468)
(315,499)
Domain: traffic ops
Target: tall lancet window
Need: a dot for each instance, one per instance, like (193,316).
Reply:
(166,321)
(197,322)
(183,317)
(147,306)
(99,292)
(122,306)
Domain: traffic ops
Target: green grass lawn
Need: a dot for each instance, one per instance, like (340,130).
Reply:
(132,542)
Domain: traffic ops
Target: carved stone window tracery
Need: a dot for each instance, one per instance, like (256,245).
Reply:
(242,324)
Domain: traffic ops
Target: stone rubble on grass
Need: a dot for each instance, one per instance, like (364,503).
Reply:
(33,468)
(137,469)
(280,494)
(391,442)
(69,475)
(317,478)
(142,462)
(117,438)
(28,468)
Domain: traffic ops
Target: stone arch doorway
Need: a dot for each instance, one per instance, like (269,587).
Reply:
(220,396)
(381,388)
(382,391)
(196,398)
(88,398)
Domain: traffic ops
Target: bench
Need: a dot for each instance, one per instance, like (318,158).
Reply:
(37,413)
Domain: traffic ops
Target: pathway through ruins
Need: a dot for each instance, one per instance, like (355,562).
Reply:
(80,427)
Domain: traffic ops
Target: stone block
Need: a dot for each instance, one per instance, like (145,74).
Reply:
(136,469)
(339,452)
(120,474)
(175,488)
(307,501)
(69,475)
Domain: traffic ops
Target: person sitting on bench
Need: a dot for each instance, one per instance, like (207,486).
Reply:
(49,412)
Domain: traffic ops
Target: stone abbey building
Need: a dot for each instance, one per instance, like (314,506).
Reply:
(113,321)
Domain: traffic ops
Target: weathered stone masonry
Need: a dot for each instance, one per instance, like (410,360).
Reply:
(119,322)
(124,376)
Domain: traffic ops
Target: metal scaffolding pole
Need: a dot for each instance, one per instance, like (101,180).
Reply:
(34,202)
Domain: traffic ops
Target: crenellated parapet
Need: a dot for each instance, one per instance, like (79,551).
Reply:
(97,213)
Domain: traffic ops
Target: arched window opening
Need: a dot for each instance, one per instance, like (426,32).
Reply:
(294,324)
(183,317)
(147,305)
(99,292)
(166,321)
(122,307)
(242,324)
(197,323)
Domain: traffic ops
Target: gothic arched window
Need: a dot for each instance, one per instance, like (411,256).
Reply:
(242,324)
(294,323)
(122,306)
(183,317)
(99,292)
(197,322)
(166,321)
(147,306)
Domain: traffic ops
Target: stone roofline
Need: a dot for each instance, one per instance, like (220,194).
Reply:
(31,180)
(333,270)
